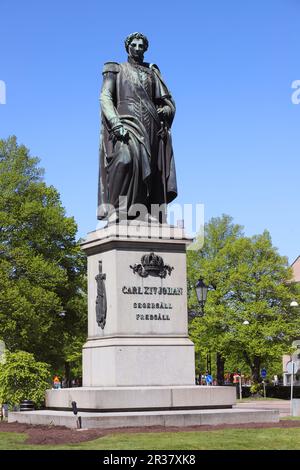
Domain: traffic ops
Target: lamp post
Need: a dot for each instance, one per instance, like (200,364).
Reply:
(201,292)
(67,379)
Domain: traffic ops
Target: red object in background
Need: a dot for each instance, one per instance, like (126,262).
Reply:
(236,378)
(56,382)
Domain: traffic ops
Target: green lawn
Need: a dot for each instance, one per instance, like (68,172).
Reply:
(295,418)
(234,439)
(252,399)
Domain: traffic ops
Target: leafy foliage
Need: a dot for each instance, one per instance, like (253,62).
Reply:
(42,270)
(22,378)
(256,389)
(249,282)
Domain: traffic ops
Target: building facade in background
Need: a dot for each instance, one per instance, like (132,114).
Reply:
(287,360)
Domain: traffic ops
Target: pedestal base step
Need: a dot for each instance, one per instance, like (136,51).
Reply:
(141,398)
(146,419)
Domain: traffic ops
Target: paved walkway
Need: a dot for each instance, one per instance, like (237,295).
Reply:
(283,406)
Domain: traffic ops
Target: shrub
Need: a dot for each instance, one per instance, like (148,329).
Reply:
(282,391)
(23,378)
(246,393)
(256,389)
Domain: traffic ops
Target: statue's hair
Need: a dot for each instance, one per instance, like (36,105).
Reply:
(133,36)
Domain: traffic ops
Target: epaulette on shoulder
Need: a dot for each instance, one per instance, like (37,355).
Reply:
(155,67)
(111,67)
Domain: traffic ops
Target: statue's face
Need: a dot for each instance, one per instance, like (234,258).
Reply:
(136,49)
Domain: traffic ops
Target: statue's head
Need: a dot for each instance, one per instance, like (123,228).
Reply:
(136,45)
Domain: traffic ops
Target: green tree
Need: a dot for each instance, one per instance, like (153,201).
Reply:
(42,270)
(23,378)
(250,282)
(206,333)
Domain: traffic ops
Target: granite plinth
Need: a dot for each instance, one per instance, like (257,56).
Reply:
(141,398)
(177,418)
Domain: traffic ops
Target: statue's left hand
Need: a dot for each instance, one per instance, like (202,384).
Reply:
(164,112)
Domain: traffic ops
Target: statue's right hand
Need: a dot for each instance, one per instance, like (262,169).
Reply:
(120,133)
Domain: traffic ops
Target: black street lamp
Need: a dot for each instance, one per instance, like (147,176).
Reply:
(201,292)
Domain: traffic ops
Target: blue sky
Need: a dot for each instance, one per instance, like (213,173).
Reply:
(229,65)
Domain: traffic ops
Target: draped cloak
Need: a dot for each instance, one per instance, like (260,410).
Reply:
(142,168)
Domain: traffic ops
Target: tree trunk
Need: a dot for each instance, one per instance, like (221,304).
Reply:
(255,369)
(220,369)
(68,374)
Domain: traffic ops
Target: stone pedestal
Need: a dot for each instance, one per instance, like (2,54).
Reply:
(116,399)
(144,341)
(138,362)
(138,355)
(164,419)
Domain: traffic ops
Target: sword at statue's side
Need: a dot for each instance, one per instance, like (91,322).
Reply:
(163,131)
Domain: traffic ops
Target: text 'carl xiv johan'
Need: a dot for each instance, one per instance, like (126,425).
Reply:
(144,290)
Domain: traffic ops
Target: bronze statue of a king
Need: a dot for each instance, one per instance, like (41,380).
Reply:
(137,169)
